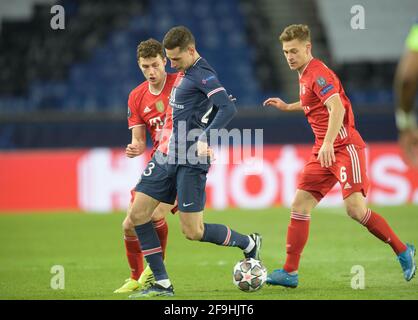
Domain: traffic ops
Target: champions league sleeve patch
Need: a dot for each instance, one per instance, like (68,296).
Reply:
(321,82)
(326,89)
(129,112)
(204,81)
(324,86)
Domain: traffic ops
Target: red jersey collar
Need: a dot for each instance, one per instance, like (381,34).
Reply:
(162,88)
(301,74)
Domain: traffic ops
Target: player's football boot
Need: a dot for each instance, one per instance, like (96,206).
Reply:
(146,279)
(129,286)
(155,290)
(279,277)
(407,261)
(255,252)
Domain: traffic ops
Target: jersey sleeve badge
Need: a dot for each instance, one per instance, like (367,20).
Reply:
(321,82)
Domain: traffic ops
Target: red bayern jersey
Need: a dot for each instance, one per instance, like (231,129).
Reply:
(166,132)
(317,84)
(148,109)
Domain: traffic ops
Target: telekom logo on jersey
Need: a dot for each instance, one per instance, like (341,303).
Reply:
(106,176)
(157,123)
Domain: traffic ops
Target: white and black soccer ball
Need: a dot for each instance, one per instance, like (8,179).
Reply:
(249,275)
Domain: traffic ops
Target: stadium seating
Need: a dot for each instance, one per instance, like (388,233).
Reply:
(366,59)
(86,71)
(92,67)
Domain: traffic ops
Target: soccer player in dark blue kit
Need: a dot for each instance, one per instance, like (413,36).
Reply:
(183,171)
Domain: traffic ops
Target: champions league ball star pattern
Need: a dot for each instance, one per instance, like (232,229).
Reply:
(249,275)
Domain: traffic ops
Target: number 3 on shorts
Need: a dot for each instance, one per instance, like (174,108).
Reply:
(148,171)
(343,174)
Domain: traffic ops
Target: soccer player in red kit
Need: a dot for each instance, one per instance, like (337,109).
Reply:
(147,108)
(337,156)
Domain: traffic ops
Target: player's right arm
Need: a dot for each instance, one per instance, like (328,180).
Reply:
(281,105)
(137,126)
(138,143)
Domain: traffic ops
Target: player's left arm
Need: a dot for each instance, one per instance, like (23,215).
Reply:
(226,111)
(326,155)
(218,96)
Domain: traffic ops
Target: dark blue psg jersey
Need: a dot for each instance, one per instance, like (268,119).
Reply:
(192,107)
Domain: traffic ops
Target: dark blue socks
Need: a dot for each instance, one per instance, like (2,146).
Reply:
(224,236)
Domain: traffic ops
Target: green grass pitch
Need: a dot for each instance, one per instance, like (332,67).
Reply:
(91,250)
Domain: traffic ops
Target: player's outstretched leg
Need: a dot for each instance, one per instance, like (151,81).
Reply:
(378,226)
(223,236)
(194,229)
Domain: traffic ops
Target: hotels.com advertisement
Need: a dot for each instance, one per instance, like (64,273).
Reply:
(99,180)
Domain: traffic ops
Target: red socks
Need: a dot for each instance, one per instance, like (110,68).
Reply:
(133,248)
(297,236)
(161,228)
(134,255)
(378,226)
(298,232)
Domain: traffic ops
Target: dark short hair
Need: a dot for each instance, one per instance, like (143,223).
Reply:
(178,36)
(296,31)
(150,48)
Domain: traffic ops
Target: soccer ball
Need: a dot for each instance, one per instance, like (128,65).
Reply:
(249,275)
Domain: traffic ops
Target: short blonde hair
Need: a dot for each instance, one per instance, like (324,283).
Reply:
(296,31)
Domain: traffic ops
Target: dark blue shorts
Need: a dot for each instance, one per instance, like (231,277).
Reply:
(163,182)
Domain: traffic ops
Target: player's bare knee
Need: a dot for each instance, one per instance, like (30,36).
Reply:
(138,215)
(127,225)
(355,212)
(299,208)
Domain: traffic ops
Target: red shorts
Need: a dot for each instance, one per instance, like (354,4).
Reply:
(349,170)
